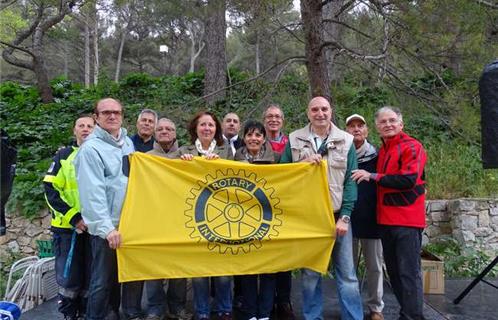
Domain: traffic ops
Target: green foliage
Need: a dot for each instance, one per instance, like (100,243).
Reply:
(38,130)
(455,170)
(12,21)
(458,261)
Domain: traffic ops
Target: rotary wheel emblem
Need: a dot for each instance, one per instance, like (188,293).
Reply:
(233,211)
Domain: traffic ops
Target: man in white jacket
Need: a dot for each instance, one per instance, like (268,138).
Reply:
(102,188)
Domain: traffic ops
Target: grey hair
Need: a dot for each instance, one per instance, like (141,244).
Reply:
(147,111)
(275,106)
(386,109)
(168,120)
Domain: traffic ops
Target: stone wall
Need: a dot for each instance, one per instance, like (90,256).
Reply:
(22,234)
(472,222)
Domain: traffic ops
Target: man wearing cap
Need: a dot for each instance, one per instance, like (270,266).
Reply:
(366,231)
(400,208)
(322,140)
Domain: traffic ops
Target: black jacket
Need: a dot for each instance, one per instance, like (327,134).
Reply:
(364,216)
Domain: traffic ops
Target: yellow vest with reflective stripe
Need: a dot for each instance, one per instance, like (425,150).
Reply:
(65,182)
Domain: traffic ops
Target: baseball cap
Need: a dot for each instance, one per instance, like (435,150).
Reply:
(355,117)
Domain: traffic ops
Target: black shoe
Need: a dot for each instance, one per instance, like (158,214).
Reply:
(285,312)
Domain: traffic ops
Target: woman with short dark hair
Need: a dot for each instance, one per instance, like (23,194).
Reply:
(256,304)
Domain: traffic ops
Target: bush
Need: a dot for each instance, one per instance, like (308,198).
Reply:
(460,262)
(38,130)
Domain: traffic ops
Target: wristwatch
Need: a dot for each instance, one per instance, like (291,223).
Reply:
(345,219)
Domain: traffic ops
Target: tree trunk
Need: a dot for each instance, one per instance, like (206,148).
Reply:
(316,64)
(332,33)
(66,59)
(87,54)
(42,82)
(256,49)
(215,78)
(120,54)
(39,68)
(194,53)
(96,66)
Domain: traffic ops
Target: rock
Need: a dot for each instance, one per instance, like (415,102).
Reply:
(440,216)
(28,250)
(4,239)
(13,246)
(24,241)
(432,231)
(483,218)
(33,230)
(468,237)
(482,205)
(425,239)
(465,238)
(483,232)
(438,205)
(493,211)
(461,205)
(468,223)
(46,221)
(494,222)
(445,228)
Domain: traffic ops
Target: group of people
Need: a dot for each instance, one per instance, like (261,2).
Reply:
(85,189)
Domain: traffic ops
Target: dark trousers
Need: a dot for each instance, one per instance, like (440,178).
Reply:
(257,303)
(156,298)
(104,291)
(283,287)
(131,298)
(401,247)
(73,282)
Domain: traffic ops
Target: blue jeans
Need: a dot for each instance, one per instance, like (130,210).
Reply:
(402,256)
(257,303)
(223,296)
(74,285)
(103,294)
(156,298)
(347,284)
(131,299)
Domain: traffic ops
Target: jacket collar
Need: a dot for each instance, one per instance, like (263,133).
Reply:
(157,147)
(100,133)
(394,140)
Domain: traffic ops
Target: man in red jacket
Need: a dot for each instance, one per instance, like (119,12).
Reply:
(400,208)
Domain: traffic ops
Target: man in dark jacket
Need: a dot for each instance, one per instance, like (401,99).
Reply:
(8,169)
(400,208)
(364,218)
(143,140)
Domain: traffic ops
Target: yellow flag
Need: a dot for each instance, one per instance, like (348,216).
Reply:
(184,219)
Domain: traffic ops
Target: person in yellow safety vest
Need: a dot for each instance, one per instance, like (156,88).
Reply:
(70,241)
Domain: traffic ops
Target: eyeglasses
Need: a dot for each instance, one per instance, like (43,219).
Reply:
(107,113)
(273,116)
(388,121)
(166,129)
